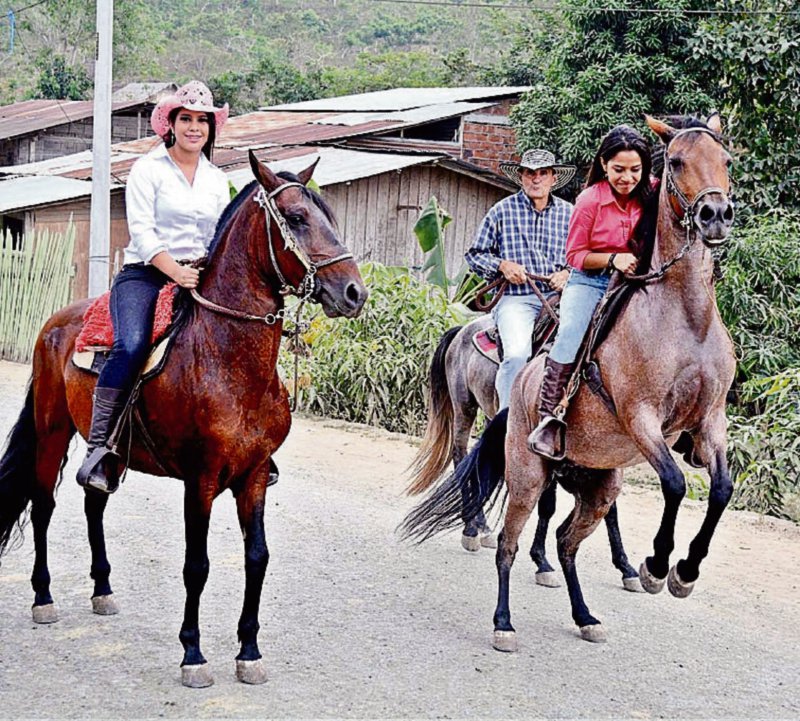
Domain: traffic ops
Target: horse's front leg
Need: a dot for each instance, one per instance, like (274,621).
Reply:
(250,506)
(711,450)
(196,513)
(645,429)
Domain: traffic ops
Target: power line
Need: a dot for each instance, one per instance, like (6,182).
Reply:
(557,8)
(22,10)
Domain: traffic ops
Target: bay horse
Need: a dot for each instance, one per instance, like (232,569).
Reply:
(461,380)
(667,363)
(215,414)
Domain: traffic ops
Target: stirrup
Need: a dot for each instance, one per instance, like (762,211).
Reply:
(88,479)
(559,429)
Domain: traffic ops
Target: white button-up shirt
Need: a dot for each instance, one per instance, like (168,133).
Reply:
(165,213)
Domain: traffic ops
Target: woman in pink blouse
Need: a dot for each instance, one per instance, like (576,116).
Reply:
(600,240)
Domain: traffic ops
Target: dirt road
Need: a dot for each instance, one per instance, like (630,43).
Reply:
(358,625)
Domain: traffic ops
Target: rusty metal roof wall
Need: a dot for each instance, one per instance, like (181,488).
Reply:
(33,115)
(400,99)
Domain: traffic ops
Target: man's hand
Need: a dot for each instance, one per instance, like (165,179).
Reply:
(512,272)
(558,280)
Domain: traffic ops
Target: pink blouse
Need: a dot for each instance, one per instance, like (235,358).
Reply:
(599,224)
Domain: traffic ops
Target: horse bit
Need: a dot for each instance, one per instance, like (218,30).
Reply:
(305,287)
(688,207)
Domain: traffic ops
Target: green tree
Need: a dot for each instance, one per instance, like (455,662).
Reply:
(754,60)
(59,80)
(607,68)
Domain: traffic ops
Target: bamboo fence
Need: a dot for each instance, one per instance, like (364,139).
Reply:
(35,281)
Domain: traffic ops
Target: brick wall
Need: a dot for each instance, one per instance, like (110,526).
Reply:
(487,138)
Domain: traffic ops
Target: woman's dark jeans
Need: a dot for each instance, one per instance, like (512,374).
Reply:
(133,303)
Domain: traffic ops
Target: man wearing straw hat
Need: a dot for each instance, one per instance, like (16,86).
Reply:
(524,233)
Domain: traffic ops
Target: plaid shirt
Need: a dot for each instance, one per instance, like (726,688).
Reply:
(514,230)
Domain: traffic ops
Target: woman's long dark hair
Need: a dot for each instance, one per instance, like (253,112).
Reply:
(617,140)
(208,148)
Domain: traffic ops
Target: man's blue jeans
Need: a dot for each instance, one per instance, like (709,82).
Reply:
(514,316)
(578,303)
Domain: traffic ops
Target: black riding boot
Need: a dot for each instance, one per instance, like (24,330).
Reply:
(99,469)
(547,439)
(273,473)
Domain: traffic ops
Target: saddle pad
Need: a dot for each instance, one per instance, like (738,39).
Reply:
(486,345)
(97,332)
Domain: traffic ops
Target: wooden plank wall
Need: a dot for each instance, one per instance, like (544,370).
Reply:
(56,218)
(376,215)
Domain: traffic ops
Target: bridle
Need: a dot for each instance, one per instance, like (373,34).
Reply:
(688,208)
(305,288)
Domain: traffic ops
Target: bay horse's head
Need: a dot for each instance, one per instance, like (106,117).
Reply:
(696,176)
(304,249)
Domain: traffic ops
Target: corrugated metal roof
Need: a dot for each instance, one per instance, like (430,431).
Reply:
(425,114)
(401,99)
(336,165)
(32,115)
(29,191)
(140,92)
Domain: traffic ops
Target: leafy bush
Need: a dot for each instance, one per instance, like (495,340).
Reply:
(374,369)
(759,298)
(764,449)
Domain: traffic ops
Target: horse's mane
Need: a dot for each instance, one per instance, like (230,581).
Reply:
(644,234)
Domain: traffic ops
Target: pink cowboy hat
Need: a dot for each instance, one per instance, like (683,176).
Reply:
(192,96)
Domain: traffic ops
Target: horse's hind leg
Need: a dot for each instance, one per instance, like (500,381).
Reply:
(595,492)
(94,505)
(545,573)
(630,577)
(196,512)
(250,507)
(476,533)
(51,448)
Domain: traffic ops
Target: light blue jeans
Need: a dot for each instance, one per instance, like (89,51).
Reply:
(578,303)
(514,316)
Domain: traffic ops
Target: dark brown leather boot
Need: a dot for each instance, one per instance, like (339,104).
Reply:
(547,439)
(99,469)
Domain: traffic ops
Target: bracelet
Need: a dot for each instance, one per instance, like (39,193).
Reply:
(610,265)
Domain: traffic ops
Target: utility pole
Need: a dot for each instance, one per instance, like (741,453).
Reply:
(100,221)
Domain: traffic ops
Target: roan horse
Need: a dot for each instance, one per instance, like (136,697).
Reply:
(461,380)
(216,413)
(667,363)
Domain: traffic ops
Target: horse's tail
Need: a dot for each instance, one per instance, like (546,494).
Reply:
(437,443)
(477,479)
(17,474)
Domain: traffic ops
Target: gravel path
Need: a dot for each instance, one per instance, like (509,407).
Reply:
(357,625)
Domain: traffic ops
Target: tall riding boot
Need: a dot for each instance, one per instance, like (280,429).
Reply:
(99,469)
(547,439)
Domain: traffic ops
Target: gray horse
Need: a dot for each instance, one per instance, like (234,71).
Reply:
(461,382)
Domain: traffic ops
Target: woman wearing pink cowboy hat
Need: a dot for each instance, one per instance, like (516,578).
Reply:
(174,198)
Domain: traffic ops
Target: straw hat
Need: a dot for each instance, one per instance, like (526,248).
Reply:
(192,96)
(535,159)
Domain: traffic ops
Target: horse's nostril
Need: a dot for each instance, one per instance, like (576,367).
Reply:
(728,214)
(353,294)
(706,214)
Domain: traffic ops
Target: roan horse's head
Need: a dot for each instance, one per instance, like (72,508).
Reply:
(696,174)
(306,253)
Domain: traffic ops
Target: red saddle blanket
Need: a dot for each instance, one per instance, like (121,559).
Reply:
(98,332)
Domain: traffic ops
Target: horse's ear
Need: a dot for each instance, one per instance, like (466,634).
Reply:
(264,175)
(714,123)
(305,175)
(664,131)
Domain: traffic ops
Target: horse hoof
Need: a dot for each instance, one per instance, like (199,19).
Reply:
(470,543)
(649,582)
(489,540)
(505,641)
(252,672)
(632,584)
(594,633)
(548,579)
(48,613)
(677,587)
(105,605)
(196,676)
